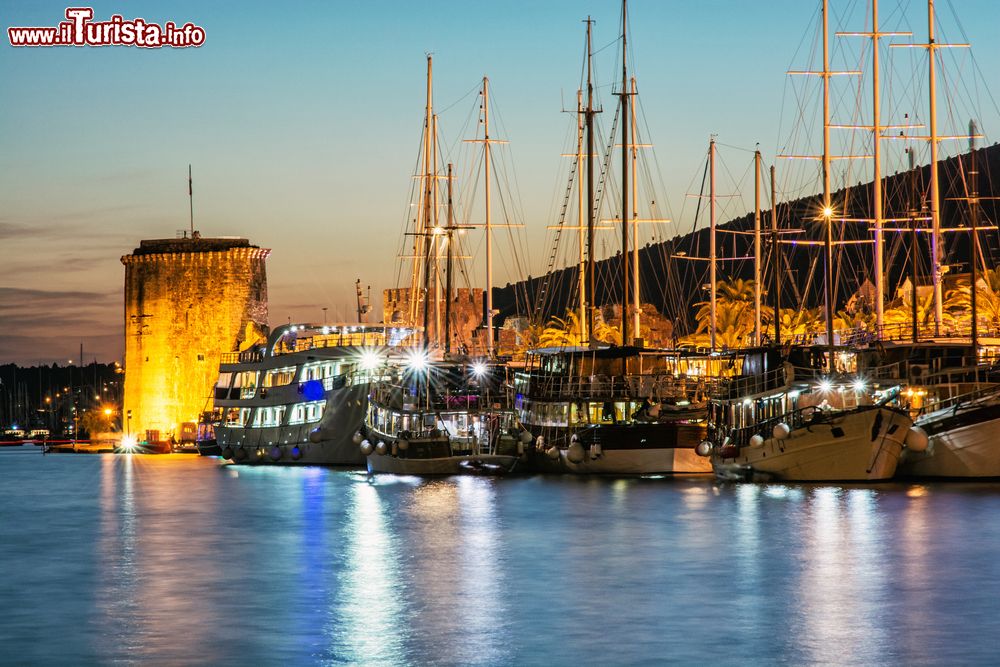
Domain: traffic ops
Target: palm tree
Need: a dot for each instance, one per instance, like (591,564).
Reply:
(801,321)
(561,332)
(958,301)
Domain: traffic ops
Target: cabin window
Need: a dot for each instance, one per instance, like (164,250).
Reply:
(279,377)
(298,415)
(233,418)
(248,384)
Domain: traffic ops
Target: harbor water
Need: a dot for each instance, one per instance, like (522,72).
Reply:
(185,560)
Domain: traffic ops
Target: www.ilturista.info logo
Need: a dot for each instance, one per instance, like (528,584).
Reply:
(80,30)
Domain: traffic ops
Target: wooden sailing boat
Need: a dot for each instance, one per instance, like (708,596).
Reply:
(961,429)
(433,413)
(612,410)
(794,423)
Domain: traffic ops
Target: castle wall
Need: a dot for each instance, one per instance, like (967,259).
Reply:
(466,314)
(186,302)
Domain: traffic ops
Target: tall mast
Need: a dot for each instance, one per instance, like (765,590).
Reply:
(932,47)
(876,128)
(935,191)
(436,238)
(582,287)
(756,249)
(776,259)
(419,238)
(448,267)
(827,208)
(636,296)
(711,242)
(973,191)
(914,212)
(591,293)
(489,223)
(877,178)
(191,199)
(625,190)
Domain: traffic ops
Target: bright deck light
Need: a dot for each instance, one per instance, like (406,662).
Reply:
(860,385)
(825,385)
(479,369)
(370,360)
(128,443)
(417,361)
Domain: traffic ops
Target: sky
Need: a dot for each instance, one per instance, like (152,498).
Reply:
(302,122)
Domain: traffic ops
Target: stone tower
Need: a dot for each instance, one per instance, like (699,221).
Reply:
(187,301)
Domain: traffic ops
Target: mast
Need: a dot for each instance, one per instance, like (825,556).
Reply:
(625,186)
(914,212)
(935,186)
(489,227)
(582,287)
(420,239)
(973,178)
(436,229)
(636,296)
(711,242)
(877,179)
(827,208)
(591,277)
(448,268)
(932,46)
(191,199)
(756,249)
(777,260)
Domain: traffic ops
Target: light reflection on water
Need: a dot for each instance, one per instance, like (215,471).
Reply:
(177,559)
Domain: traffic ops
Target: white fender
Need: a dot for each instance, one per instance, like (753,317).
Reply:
(381,448)
(575,453)
(756,440)
(781,431)
(704,448)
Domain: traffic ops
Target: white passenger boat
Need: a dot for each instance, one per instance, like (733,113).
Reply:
(301,396)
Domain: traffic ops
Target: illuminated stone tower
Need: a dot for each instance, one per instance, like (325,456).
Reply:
(187,301)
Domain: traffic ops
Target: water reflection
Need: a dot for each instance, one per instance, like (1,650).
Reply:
(367,626)
(174,560)
(153,570)
(841,578)
(117,602)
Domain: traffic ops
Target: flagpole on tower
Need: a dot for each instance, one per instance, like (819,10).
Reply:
(191,199)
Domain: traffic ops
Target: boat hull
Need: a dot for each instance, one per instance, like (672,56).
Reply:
(329,442)
(652,461)
(863,445)
(962,443)
(626,449)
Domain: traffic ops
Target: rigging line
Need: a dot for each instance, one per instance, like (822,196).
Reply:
(738,148)
(474,89)
(701,193)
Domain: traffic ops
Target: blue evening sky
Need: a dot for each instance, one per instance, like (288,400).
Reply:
(302,121)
